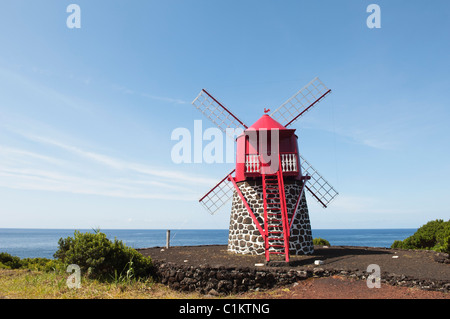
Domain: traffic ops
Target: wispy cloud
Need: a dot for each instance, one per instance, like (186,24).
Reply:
(44,180)
(42,91)
(171,100)
(24,169)
(21,155)
(382,136)
(383,139)
(119,164)
(165,99)
(46,161)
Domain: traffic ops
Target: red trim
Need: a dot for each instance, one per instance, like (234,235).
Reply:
(308,107)
(216,186)
(256,173)
(265,122)
(325,206)
(294,213)
(266,226)
(284,217)
(225,108)
(263,234)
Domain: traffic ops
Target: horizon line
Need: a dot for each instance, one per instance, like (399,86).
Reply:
(93,228)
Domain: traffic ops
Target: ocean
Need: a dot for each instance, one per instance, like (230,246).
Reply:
(44,242)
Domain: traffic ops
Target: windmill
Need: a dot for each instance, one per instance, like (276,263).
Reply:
(269,213)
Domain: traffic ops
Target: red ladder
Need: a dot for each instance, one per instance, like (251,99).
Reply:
(275,215)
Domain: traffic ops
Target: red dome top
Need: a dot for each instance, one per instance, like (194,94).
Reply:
(266,123)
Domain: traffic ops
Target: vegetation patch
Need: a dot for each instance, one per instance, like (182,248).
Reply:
(321,242)
(97,256)
(434,235)
(100,258)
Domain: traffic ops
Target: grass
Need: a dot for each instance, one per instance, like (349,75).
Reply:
(28,284)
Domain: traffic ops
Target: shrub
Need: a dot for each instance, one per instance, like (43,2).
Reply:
(42,264)
(434,235)
(101,258)
(397,244)
(321,242)
(9,262)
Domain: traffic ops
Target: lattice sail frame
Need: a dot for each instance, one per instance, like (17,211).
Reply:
(218,195)
(301,102)
(321,190)
(217,113)
(290,111)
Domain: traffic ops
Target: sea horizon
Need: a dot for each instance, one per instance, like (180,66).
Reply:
(43,242)
(94,228)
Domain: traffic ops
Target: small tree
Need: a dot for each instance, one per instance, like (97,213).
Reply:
(100,257)
(321,242)
(434,235)
(9,262)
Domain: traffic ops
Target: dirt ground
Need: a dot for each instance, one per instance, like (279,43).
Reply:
(414,264)
(338,287)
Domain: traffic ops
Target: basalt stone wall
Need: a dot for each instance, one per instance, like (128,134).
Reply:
(222,280)
(244,237)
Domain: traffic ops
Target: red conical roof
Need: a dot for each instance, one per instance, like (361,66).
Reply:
(266,123)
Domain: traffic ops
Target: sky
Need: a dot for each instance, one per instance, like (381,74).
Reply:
(87,114)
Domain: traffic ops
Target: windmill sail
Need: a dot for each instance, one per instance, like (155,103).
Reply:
(288,112)
(218,196)
(301,102)
(319,188)
(217,113)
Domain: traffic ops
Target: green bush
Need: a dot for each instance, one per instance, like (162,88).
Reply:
(42,264)
(434,235)
(321,242)
(101,258)
(8,261)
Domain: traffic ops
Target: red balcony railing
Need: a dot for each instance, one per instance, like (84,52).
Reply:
(289,163)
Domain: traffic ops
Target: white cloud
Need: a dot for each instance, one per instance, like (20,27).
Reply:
(379,138)
(149,96)
(20,155)
(165,99)
(46,180)
(23,169)
(42,91)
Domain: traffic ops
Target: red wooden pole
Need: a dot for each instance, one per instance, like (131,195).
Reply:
(263,234)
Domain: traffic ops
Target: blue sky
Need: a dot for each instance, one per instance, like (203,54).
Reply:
(86,115)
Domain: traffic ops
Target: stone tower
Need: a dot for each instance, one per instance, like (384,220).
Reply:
(269,213)
(245,238)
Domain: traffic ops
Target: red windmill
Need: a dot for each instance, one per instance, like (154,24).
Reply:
(269,213)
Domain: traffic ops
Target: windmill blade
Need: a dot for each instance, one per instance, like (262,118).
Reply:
(217,113)
(218,196)
(319,188)
(301,102)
